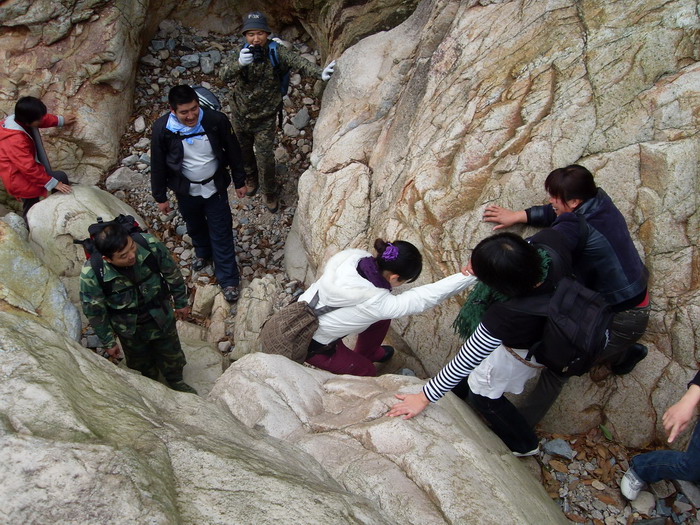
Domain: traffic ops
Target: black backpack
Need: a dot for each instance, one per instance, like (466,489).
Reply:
(207,99)
(576,328)
(95,257)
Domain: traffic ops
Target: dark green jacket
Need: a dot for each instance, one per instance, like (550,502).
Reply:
(255,89)
(115,315)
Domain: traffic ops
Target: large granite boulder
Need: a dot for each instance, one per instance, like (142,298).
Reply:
(55,222)
(470,103)
(29,286)
(84,442)
(442,467)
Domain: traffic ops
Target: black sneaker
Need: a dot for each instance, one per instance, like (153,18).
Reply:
(388,354)
(231,293)
(199,264)
(635,354)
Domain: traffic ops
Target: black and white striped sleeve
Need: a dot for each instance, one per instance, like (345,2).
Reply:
(477,348)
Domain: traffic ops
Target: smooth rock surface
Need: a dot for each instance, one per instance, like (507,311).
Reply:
(85,442)
(29,286)
(443,466)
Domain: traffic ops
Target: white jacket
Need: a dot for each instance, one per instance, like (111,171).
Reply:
(365,304)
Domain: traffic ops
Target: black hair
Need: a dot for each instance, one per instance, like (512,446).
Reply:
(182,94)
(571,182)
(404,259)
(29,109)
(111,239)
(507,263)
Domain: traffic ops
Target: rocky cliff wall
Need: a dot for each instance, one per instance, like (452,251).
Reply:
(81,57)
(471,103)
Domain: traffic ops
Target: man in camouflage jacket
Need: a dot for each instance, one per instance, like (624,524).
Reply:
(134,304)
(256,100)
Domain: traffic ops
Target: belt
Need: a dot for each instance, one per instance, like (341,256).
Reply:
(523,361)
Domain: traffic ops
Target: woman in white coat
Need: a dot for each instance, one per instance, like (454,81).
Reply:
(359,285)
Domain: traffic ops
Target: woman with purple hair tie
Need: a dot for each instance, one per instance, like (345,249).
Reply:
(359,286)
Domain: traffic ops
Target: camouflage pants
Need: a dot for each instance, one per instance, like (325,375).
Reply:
(257,140)
(153,350)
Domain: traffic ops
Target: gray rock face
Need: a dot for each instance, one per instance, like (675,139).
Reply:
(426,124)
(442,467)
(122,179)
(27,286)
(143,452)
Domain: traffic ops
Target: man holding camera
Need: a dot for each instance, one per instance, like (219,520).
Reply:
(257,75)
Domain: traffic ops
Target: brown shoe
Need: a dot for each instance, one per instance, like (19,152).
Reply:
(272,203)
(600,372)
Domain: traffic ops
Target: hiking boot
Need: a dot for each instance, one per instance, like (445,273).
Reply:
(252,189)
(231,293)
(388,354)
(600,372)
(631,485)
(199,264)
(181,386)
(272,203)
(635,354)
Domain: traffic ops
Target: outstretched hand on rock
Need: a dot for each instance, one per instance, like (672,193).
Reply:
(411,405)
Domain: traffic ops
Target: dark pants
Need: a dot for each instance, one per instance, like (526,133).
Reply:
(28,203)
(505,420)
(669,464)
(154,349)
(257,140)
(209,224)
(625,330)
(357,362)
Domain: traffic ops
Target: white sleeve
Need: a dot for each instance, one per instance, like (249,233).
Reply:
(421,298)
(477,348)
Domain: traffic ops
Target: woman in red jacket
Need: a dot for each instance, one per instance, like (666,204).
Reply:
(23,176)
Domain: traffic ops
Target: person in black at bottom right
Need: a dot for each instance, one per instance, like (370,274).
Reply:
(604,259)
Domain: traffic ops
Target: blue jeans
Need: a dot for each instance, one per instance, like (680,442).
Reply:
(669,464)
(210,225)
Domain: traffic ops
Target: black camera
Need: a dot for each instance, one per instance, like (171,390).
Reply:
(258,53)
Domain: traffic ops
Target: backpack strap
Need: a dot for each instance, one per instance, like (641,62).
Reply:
(318,312)
(277,70)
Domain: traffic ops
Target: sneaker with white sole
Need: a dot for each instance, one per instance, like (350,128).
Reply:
(532,452)
(631,485)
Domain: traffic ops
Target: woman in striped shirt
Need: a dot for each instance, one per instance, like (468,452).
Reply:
(491,361)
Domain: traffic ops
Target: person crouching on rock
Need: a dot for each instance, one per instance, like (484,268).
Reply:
(22,174)
(132,302)
(360,286)
(492,360)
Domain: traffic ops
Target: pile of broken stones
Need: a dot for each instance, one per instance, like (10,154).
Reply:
(581,473)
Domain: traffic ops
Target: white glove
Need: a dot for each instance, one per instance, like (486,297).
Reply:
(327,72)
(245,57)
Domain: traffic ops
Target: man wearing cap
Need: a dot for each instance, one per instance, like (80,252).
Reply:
(257,98)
